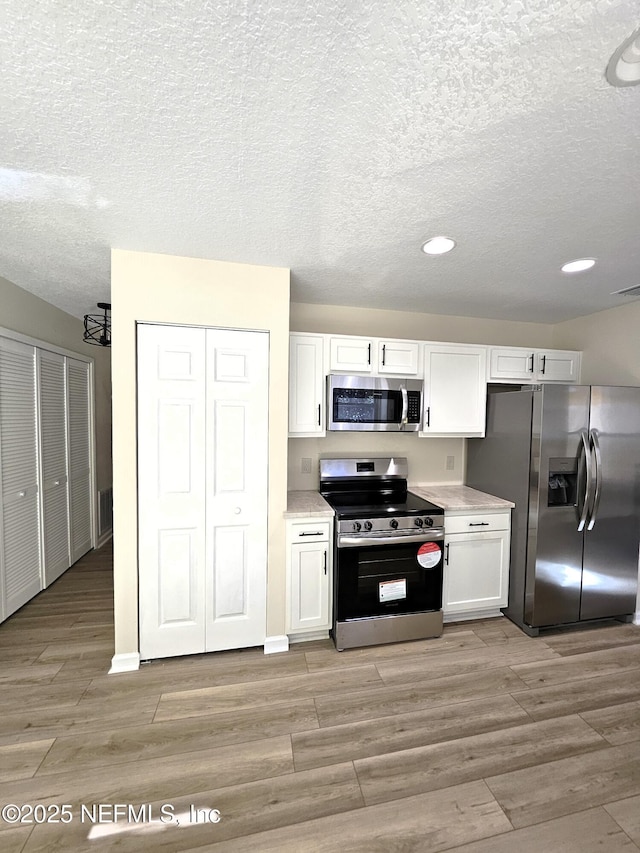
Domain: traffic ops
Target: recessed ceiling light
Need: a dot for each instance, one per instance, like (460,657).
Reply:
(624,66)
(579,265)
(438,245)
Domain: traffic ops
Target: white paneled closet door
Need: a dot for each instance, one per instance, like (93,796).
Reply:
(79,457)
(202,481)
(237,466)
(171,489)
(53,462)
(20,535)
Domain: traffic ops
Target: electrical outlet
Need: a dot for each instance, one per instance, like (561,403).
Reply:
(451,463)
(305,465)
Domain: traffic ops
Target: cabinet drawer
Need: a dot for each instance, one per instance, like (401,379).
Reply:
(476,522)
(309,531)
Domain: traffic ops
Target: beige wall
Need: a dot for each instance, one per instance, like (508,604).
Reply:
(25,313)
(610,343)
(427,457)
(189,291)
(305,317)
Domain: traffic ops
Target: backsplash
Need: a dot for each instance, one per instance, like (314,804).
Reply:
(429,459)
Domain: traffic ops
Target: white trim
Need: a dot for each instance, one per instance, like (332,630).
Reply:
(36,342)
(320,634)
(125,663)
(272,645)
(103,539)
(636,618)
(467,616)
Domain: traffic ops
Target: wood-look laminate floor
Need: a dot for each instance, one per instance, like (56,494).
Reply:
(481,740)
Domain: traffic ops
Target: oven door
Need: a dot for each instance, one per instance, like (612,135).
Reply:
(384,579)
(374,403)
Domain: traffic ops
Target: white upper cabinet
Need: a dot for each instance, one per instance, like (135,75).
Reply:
(351,354)
(524,364)
(306,385)
(399,357)
(374,355)
(455,390)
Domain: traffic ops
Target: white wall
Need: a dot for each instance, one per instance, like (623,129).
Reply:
(189,291)
(29,315)
(427,457)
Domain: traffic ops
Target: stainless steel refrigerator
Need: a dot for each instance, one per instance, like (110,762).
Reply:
(568,456)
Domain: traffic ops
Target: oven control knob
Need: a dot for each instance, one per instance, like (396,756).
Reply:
(393,523)
(368,525)
(418,522)
(428,521)
(357,526)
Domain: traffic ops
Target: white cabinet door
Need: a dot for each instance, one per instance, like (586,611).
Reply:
(455,390)
(476,572)
(309,586)
(203,440)
(79,457)
(53,461)
(398,357)
(558,366)
(353,354)
(306,385)
(513,363)
(521,364)
(20,535)
(237,465)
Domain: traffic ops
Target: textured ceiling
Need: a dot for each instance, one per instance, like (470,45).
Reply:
(328,137)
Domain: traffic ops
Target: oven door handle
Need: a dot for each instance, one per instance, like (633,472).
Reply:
(345,541)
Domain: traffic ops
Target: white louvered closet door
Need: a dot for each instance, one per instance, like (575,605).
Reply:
(53,462)
(79,457)
(20,535)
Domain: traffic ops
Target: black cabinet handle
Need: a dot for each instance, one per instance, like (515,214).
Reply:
(478,524)
(325,562)
(428,415)
(544,364)
(318,414)
(446,553)
(311,533)
(369,356)
(384,352)
(531,368)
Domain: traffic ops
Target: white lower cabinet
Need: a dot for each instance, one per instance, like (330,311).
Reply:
(476,566)
(309,551)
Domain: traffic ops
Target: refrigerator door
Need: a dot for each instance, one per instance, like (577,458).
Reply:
(610,579)
(557,486)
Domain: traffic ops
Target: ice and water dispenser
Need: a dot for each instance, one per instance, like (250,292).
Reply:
(563,481)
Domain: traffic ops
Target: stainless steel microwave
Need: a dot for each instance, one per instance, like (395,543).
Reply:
(374,403)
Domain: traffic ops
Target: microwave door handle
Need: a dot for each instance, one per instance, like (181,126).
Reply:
(405,406)
(588,478)
(598,475)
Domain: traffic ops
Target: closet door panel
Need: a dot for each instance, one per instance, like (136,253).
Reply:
(20,536)
(53,465)
(79,456)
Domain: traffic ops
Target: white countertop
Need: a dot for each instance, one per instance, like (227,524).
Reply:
(459,497)
(310,504)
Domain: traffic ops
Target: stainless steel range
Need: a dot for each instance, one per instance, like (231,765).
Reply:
(388,553)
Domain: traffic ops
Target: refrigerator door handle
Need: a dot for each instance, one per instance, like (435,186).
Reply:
(587,489)
(598,466)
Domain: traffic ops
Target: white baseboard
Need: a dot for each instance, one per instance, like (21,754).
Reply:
(308,636)
(467,616)
(104,539)
(125,663)
(272,645)
(636,618)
